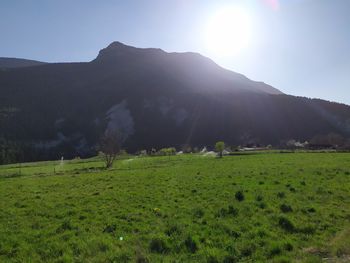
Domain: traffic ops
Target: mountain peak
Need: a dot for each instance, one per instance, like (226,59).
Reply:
(118,49)
(117,44)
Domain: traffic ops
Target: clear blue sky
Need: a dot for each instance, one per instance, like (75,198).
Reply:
(301,48)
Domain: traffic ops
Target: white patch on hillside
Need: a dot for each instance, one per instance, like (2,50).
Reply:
(119,119)
(165,105)
(179,116)
(167,109)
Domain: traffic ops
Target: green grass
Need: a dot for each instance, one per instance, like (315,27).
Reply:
(266,207)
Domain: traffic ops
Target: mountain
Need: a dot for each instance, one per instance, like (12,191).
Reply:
(18,63)
(155,99)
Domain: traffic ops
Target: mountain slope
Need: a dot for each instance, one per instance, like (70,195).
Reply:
(155,99)
(18,63)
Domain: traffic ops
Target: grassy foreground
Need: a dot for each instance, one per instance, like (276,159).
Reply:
(267,207)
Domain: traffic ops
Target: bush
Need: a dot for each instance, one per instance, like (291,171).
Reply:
(141,259)
(158,245)
(230,259)
(281,195)
(173,230)
(311,210)
(223,212)
(286,208)
(247,251)
(191,244)
(262,205)
(286,224)
(259,198)
(275,250)
(198,212)
(167,151)
(307,230)
(110,228)
(239,196)
(212,259)
(288,247)
(232,211)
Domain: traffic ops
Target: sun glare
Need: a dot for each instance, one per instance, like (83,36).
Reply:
(228,32)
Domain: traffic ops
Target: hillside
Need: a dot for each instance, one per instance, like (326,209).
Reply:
(6,63)
(155,99)
(246,208)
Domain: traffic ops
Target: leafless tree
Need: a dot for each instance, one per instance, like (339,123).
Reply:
(110,147)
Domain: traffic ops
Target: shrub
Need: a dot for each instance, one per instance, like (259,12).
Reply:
(311,210)
(158,245)
(232,233)
(262,205)
(292,189)
(110,228)
(230,259)
(286,208)
(281,195)
(173,230)
(259,198)
(167,151)
(239,196)
(307,230)
(191,244)
(275,250)
(288,247)
(247,250)
(232,211)
(103,247)
(286,224)
(198,212)
(141,259)
(212,259)
(223,212)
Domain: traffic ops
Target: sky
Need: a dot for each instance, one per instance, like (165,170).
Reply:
(301,47)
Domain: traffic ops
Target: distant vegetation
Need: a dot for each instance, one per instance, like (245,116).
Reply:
(12,151)
(245,207)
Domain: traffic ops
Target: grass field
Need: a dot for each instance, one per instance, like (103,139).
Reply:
(266,207)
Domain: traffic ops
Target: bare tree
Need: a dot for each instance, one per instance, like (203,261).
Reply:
(110,146)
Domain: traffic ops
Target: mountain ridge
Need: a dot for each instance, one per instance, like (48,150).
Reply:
(157,99)
(9,62)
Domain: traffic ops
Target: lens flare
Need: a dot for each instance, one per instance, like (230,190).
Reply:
(229,31)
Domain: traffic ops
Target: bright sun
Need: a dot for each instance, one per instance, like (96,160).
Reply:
(229,32)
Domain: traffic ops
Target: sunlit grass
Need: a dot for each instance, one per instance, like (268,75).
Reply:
(259,207)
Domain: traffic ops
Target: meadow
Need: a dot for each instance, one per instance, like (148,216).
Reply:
(257,207)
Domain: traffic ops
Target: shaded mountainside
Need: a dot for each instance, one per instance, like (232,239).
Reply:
(6,63)
(155,99)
